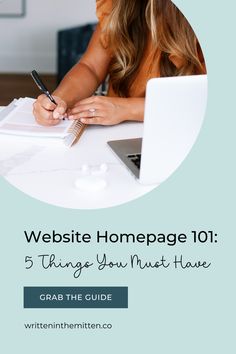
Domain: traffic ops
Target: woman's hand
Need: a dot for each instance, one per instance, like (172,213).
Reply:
(47,113)
(107,110)
(99,110)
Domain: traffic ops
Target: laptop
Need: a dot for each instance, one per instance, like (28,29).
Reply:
(174,112)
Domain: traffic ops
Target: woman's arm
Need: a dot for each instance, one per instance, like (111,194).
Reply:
(80,82)
(85,77)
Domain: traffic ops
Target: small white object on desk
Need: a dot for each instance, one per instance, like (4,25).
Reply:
(92,179)
(90,183)
(103,168)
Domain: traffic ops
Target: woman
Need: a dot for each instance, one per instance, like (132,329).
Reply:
(133,42)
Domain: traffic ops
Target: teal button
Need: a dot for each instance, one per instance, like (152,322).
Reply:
(76,297)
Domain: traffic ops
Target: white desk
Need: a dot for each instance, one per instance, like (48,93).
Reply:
(47,170)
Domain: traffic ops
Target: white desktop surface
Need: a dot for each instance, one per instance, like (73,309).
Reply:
(47,170)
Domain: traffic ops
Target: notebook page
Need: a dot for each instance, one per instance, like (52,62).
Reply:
(22,122)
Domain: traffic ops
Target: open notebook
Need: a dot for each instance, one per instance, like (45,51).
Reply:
(18,119)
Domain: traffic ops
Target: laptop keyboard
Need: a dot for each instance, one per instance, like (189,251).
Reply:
(136,159)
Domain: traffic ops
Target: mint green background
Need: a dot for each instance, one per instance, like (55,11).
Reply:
(170,312)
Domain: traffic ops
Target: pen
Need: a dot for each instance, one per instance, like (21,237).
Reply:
(41,86)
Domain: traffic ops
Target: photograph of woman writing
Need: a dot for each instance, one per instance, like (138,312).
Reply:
(134,41)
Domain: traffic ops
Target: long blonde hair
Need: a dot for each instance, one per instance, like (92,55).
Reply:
(128,28)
